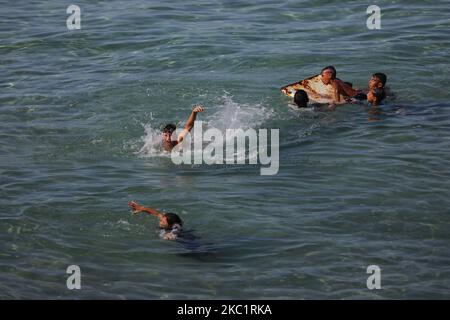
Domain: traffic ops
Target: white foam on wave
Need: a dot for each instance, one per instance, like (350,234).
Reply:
(233,115)
(152,143)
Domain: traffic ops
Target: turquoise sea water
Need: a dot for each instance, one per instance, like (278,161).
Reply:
(80,111)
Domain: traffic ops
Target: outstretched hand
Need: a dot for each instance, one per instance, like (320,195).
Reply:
(197,109)
(136,207)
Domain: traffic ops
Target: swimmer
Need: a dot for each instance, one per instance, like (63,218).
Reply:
(169,223)
(301,99)
(378,81)
(377,90)
(377,87)
(168,143)
(328,76)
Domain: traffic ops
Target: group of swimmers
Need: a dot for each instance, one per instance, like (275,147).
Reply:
(374,94)
(170,224)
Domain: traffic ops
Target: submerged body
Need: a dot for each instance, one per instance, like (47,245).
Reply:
(170,233)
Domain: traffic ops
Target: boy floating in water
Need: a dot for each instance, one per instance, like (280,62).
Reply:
(378,82)
(328,76)
(168,143)
(375,95)
(376,92)
(169,223)
(301,99)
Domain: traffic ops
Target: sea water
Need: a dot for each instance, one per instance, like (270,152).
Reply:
(80,119)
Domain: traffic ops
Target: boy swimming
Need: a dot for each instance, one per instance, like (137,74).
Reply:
(301,99)
(341,88)
(168,143)
(170,224)
(378,81)
(376,92)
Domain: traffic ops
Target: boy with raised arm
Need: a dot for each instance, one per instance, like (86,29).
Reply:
(169,223)
(168,143)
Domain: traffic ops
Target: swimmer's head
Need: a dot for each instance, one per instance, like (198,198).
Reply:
(375,96)
(378,80)
(167,132)
(169,219)
(328,73)
(301,99)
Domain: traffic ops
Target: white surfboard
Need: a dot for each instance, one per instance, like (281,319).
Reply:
(317,91)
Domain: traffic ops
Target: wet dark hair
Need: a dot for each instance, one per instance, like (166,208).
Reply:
(169,128)
(173,218)
(332,69)
(349,84)
(381,76)
(301,99)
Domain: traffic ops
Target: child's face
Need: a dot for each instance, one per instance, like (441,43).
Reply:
(167,137)
(163,223)
(327,75)
(375,83)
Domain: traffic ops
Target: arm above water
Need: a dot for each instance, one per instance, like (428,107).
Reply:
(190,122)
(344,89)
(138,208)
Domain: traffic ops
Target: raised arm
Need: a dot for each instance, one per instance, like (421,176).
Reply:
(190,122)
(138,208)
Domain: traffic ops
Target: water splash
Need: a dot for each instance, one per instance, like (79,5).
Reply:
(233,115)
(152,143)
(229,115)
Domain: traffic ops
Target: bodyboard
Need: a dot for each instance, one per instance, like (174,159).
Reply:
(317,91)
